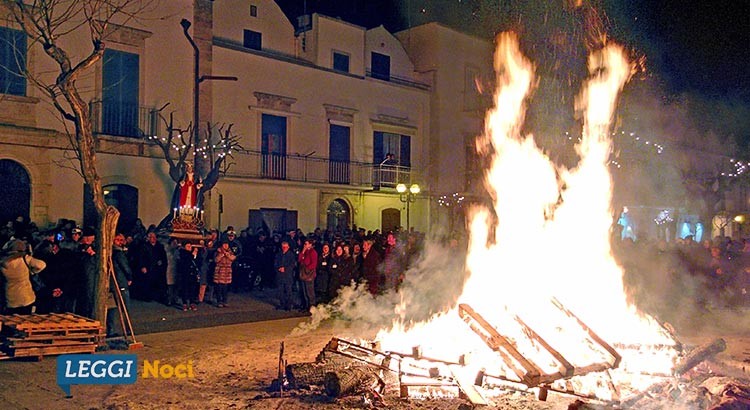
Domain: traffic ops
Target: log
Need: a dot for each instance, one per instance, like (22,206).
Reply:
(699,354)
(350,380)
(301,375)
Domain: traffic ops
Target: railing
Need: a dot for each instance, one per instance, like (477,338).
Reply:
(300,168)
(397,80)
(124,120)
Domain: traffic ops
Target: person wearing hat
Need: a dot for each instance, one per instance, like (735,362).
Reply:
(16,266)
(71,241)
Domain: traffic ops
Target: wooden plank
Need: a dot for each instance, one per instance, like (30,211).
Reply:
(42,337)
(23,343)
(615,356)
(569,368)
(56,350)
(467,387)
(529,373)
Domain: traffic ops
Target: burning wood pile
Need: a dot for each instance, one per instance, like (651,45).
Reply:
(549,318)
(345,368)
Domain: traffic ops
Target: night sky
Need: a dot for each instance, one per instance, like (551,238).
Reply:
(701,49)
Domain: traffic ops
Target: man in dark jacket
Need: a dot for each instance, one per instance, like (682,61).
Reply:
(284,265)
(87,254)
(151,277)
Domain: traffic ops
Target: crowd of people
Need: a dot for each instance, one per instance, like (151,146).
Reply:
(681,277)
(54,270)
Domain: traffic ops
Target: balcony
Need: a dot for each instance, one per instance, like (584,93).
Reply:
(124,120)
(300,168)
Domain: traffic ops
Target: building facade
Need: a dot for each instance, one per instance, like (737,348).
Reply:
(331,117)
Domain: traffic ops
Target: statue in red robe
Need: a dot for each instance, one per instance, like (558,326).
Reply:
(189,187)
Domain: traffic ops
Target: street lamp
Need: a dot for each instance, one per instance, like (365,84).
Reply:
(407,196)
(197,80)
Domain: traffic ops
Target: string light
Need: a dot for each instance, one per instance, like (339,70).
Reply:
(454,199)
(663,217)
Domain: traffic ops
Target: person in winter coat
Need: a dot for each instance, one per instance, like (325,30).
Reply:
(16,266)
(308,265)
(223,273)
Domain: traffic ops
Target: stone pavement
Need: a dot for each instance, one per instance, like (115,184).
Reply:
(243,307)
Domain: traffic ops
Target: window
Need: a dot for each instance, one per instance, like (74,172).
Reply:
(273,146)
(381,66)
(388,143)
(338,146)
(120,93)
(12,61)
(340,62)
(392,158)
(253,10)
(253,39)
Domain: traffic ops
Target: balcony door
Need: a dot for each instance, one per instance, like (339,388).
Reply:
(120,80)
(338,146)
(273,146)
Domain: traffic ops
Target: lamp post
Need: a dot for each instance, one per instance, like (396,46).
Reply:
(407,196)
(197,80)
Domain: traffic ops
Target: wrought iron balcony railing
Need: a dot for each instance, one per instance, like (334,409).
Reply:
(300,168)
(124,120)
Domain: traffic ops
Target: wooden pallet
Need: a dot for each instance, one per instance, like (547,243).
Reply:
(52,324)
(48,334)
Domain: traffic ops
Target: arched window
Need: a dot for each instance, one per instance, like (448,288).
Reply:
(16,198)
(338,215)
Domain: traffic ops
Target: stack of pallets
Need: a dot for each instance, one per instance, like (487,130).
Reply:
(48,334)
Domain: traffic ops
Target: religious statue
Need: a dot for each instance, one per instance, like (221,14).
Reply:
(189,187)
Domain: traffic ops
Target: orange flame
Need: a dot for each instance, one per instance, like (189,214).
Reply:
(551,240)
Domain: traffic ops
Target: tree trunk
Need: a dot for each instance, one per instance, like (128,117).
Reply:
(105,239)
(107,215)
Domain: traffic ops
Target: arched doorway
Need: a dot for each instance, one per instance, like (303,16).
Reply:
(121,196)
(338,216)
(390,219)
(16,198)
(125,199)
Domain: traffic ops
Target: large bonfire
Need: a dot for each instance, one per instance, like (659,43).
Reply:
(543,260)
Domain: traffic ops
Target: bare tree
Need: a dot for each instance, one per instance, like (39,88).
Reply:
(215,148)
(46,24)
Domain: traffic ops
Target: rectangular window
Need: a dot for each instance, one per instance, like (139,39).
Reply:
(120,93)
(338,146)
(253,10)
(273,146)
(381,66)
(340,62)
(253,39)
(12,61)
